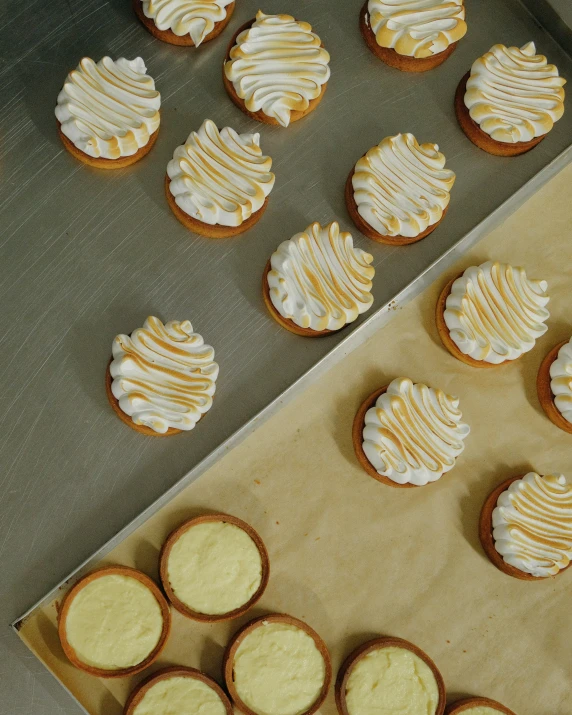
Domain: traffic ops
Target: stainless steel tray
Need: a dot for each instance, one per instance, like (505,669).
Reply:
(89,254)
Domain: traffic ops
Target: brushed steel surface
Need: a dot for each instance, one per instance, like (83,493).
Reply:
(86,254)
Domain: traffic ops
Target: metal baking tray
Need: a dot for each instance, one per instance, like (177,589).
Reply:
(89,254)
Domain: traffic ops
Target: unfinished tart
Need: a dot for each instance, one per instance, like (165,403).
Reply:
(392,676)
(317,282)
(277,665)
(184,22)
(218,182)
(214,567)
(276,69)
(108,112)
(407,434)
(114,622)
(509,100)
(525,526)
(477,706)
(161,378)
(554,384)
(413,35)
(178,691)
(492,314)
(399,191)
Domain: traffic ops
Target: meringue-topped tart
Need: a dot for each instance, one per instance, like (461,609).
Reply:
(492,314)
(108,112)
(407,434)
(214,567)
(399,191)
(114,622)
(526,526)
(389,676)
(413,35)
(218,182)
(161,378)
(277,665)
(184,22)
(554,385)
(178,691)
(318,281)
(276,69)
(510,99)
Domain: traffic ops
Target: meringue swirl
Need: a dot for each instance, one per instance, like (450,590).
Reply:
(532,524)
(319,280)
(414,433)
(109,109)
(417,28)
(561,381)
(401,187)
(163,375)
(278,65)
(220,177)
(495,313)
(196,18)
(513,94)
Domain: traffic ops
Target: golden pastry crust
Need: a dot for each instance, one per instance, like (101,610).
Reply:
(544,390)
(368,231)
(373,645)
(114,402)
(487,539)
(393,58)
(164,562)
(480,138)
(206,229)
(236,640)
(357,439)
(86,580)
(445,336)
(260,116)
(177,671)
(101,163)
(181,40)
(286,322)
(461,706)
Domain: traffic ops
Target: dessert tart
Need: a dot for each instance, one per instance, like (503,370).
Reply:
(407,434)
(184,22)
(277,665)
(317,282)
(184,691)
(399,191)
(389,675)
(114,622)
(218,182)
(413,35)
(492,314)
(214,567)
(554,385)
(477,706)
(161,379)
(525,527)
(509,100)
(276,69)
(108,112)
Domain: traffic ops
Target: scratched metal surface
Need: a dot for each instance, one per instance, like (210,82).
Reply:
(86,254)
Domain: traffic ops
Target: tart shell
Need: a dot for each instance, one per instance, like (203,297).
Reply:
(544,390)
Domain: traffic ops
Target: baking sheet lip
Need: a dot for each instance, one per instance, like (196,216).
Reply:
(355,338)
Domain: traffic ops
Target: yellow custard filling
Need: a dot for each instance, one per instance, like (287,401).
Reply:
(278,670)
(180,696)
(391,681)
(214,568)
(481,710)
(114,622)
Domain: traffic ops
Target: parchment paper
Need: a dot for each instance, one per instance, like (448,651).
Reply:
(355,558)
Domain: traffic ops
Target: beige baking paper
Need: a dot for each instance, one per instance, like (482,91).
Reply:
(355,558)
